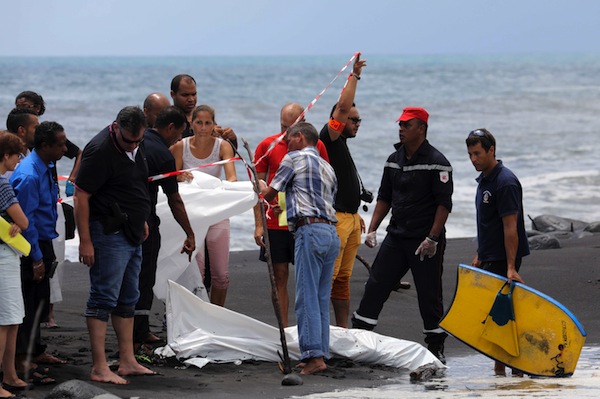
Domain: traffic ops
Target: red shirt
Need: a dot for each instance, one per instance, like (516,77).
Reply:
(270,164)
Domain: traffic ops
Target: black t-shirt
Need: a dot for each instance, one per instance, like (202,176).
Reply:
(110,176)
(160,160)
(348,194)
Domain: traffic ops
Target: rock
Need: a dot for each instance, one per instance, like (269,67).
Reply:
(547,223)
(543,241)
(76,389)
(593,227)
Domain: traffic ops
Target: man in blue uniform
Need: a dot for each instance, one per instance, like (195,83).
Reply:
(417,187)
(501,236)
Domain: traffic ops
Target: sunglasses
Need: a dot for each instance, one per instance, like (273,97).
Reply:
(355,120)
(126,140)
(478,132)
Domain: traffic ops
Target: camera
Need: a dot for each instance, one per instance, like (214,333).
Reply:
(366,196)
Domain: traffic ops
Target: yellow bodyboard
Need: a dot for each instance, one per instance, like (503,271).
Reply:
(18,242)
(549,338)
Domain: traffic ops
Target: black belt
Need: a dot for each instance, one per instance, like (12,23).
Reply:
(310,220)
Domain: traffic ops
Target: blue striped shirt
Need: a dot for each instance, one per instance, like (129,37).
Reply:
(309,183)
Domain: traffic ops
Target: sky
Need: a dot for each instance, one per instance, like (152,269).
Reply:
(309,27)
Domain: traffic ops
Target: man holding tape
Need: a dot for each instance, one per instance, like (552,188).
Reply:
(343,125)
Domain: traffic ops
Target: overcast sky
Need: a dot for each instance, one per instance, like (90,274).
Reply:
(309,27)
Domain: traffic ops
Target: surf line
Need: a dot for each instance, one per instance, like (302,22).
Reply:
(308,107)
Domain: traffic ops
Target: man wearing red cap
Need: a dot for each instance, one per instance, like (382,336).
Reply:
(417,187)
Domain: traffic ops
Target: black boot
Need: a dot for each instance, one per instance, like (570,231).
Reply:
(438,351)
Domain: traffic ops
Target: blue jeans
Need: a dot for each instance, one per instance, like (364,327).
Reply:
(317,246)
(114,275)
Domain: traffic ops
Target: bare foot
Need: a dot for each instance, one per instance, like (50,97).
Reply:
(314,365)
(15,382)
(6,394)
(134,370)
(107,376)
(300,365)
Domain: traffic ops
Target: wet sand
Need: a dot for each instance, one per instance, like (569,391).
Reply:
(570,274)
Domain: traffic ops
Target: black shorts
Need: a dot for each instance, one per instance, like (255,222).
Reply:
(282,247)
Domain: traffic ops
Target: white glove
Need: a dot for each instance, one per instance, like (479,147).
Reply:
(371,239)
(428,247)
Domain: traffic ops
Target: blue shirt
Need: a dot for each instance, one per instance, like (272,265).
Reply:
(499,194)
(37,194)
(310,185)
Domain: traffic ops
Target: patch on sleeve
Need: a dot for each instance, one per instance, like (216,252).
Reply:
(444,177)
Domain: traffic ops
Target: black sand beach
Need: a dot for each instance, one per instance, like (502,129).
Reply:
(569,274)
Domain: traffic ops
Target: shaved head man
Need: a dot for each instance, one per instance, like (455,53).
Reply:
(153,104)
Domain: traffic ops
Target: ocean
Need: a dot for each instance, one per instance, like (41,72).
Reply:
(544,111)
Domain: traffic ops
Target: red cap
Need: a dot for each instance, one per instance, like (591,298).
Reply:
(413,112)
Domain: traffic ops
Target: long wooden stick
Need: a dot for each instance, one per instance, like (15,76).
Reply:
(287,367)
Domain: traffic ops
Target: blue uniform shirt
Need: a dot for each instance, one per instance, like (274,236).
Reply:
(38,195)
(498,194)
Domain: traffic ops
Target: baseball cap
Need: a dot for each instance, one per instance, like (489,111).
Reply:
(413,112)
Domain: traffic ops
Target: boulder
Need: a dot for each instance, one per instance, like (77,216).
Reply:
(593,227)
(76,389)
(543,241)
(547,223)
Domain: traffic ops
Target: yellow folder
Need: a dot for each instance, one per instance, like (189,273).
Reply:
(282,219)
(18,242)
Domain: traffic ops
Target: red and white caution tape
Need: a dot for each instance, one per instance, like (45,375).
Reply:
(308,107)
(179,172)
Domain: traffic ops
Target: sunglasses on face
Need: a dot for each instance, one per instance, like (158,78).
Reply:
(355,120)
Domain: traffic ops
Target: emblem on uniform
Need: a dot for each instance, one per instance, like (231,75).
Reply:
(486,197)
(444,177)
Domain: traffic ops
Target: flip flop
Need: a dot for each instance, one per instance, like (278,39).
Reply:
(13,388)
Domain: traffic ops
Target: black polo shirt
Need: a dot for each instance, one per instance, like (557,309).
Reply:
(347,198)
(110,177)
(160,160)
(415,188)
(498,194)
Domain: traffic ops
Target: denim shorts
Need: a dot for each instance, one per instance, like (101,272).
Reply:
(114,275)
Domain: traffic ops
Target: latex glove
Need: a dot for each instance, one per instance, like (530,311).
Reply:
(69,189)
(371,239)
(428,247)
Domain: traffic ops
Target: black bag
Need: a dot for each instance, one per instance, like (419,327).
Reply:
(69,221)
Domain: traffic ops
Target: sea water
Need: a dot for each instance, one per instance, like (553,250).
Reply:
(543,110)
(472,377)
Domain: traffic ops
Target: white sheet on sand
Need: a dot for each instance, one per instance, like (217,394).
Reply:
(208,200)
(205,333)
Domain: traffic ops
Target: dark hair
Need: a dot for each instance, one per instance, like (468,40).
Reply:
(131,119)
(308,131)
(204,108)
(45,133)
(170,115)
(10,144)
(482,136)
(35,98)
(335,106)
(177,81)
(18,117)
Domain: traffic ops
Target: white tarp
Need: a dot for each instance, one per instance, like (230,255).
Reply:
(198,329)
(208,200)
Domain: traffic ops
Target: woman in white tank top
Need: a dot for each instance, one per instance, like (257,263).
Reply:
(201,149)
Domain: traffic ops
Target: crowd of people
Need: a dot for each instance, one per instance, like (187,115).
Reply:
(310,174)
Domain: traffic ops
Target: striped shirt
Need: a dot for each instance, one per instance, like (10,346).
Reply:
(309,183)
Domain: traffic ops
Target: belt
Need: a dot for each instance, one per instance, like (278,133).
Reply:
(311,220)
